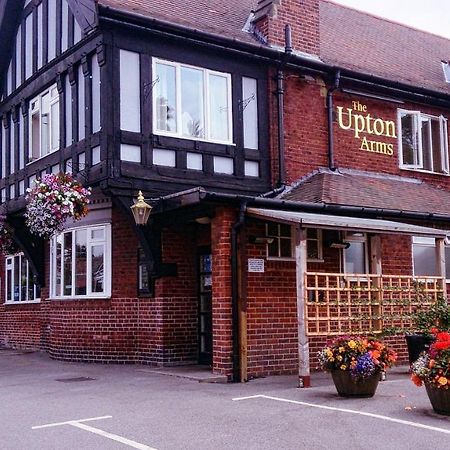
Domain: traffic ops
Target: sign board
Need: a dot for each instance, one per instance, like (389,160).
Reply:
(256,265)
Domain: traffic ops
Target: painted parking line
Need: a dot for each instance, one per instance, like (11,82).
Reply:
(80,423)
(348,411)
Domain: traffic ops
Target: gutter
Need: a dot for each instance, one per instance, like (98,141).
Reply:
(337,79)
(270,55)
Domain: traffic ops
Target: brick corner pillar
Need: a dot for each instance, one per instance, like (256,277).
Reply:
(221,291)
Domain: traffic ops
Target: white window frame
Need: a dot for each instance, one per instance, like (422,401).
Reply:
(206,106)
(356,237)
(52,91)
(417,118)
(426,242)
(319,241)
(11,267)
(90,242)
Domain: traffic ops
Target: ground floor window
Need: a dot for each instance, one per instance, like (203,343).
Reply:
(81,263)
(355,256)
(424,257)
(19,286)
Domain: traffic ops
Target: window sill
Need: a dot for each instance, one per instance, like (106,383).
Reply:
(275,258)
(429,172)
(208,141)
(63,299)
(30,302)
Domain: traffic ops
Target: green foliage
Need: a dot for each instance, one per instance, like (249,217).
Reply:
(435,316)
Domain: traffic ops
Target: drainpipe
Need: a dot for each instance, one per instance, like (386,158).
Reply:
(235,289)
(337,79)
(280,104)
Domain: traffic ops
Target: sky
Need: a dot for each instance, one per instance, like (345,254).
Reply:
(428,15)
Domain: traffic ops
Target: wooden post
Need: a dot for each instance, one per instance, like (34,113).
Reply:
(304,378)
(376,268)
(440,264)
(242,305)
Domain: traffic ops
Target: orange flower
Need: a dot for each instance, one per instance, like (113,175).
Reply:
(442,381)
(416,380)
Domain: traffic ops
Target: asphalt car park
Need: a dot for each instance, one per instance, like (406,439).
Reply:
(46,404)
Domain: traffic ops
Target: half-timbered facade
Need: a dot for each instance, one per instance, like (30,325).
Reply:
(299,189)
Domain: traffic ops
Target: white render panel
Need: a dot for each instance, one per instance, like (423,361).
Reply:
(130,95)
(164,157)
(251,169)
(194,161)
(223,165)
(130,153)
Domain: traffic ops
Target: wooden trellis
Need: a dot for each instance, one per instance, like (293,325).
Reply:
(338,304)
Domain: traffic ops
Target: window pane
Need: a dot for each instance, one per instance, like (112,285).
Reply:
(80,262)
(98,233)
(81,105)
(166,119)
(45,124)
(97,270)
(355,258)
(16,289)
(285,248)
(409,140)
(9,280)
(192,103)
(218,108)
(424,260)
(23,279)
(447,262)
(57,267)
(285,230)
(272,229)
(54,114)
(425,124)
(436,145)
(250,113)
(30,284)
(67,264)
(272,248)
(35,136)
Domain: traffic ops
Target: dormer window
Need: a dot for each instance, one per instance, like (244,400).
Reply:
(192,102)
(44,125)
(446,69)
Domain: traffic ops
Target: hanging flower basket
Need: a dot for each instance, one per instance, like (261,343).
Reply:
(7,245)
(54,200)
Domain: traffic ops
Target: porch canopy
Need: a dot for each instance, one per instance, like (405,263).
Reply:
(330,222)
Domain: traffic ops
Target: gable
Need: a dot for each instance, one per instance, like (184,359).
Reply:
(37,33)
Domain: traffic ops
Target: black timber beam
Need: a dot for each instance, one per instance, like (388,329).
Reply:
(85,13)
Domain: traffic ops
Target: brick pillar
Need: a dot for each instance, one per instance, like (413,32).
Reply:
(221,290)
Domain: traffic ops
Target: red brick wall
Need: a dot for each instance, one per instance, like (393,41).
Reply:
(221,290)
(302,16)
(125,328)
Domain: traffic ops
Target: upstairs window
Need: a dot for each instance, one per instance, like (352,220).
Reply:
(191,102)
(44,123)
(19,284)
(423,142)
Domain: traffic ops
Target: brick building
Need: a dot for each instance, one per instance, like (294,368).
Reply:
(295,155)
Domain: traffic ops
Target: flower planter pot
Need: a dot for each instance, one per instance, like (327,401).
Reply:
(439,398)
(417,343)
(347,387)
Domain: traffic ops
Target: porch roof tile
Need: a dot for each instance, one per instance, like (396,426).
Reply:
(371,190)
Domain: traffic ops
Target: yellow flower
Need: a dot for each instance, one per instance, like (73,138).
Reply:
(343,367)
(329,353)
(341,349)
(339,357)
(352,344)
(442,381)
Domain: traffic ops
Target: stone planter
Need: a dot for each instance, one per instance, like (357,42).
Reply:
(347,387)
(439,398)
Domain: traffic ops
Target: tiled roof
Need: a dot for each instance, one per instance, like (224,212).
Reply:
(371,190)
(225,18)
(350,39)
(363,42)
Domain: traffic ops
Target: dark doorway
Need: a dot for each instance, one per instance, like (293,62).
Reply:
(205,306)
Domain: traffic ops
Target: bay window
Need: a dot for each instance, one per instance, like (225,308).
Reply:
(192,102)
(81,263)
(44,123)
(423,142)
(19,285)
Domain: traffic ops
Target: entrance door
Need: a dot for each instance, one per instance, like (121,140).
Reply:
(205,307)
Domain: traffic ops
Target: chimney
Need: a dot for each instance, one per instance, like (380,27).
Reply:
(271,17)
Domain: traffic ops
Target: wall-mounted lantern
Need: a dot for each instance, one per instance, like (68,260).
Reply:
(141,210)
